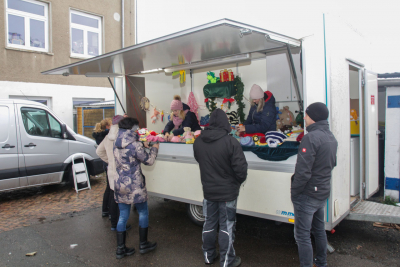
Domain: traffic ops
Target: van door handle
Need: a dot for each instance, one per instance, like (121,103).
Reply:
(30,145)
(7,146)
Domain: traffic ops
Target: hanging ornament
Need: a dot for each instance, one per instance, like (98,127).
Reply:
(155,116)
(193,104)
(145,104)
(162,115)
(181,73)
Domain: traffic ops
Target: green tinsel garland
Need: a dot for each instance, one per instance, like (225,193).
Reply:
(239,98)
(212,106)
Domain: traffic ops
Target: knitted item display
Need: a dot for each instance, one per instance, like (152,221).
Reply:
(274,138)
(193,104)
(247,141)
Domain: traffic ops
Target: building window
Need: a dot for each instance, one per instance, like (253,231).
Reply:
(86,36)
(27,25)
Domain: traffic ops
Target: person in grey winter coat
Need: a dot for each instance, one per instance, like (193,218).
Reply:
(130,186)
(311,185)
(223,168)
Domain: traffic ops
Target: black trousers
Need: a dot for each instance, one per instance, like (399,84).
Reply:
(106,196)
(220,215)
(114,210)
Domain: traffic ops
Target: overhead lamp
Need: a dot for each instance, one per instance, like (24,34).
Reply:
(209,63)
(102,75)
(151,71)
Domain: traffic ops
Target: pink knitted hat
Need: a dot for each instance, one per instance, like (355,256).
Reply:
(176,104)
(256,92)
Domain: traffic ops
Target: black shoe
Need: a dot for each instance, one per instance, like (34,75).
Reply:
(104,214)
(128,227)
(213,260)
(145,246)
(122,250)
(236,262)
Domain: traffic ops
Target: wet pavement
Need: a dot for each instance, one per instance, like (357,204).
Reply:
(51,219)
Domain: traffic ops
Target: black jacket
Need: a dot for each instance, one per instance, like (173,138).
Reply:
(264,121)
(100,136)
(223,166)
(315,161)
(189,121)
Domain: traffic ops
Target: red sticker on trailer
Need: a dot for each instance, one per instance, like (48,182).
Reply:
(372,100)
(304,150)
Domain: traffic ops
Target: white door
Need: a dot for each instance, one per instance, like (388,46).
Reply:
(9,169)
(43,148)
(371,134)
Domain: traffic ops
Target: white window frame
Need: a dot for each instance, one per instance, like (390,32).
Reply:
(23,97)
(85,29)
(27,16)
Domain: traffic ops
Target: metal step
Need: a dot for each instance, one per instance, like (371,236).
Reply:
(375,212)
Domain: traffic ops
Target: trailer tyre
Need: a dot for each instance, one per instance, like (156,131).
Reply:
(195,214)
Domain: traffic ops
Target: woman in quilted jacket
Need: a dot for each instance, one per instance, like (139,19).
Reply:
(130,187)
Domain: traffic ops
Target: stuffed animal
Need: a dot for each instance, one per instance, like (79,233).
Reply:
(211,77)
(188,135)
(176,139)
(287,117)
(155,116)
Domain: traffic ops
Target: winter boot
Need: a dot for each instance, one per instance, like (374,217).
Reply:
(128,227)
(123,251)
(145,246)
(236,262)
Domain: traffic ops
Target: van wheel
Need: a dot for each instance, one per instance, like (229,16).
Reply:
(195,214)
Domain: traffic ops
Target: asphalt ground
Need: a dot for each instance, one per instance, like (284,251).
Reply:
(258,242)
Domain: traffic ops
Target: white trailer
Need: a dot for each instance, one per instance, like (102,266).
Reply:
(330,66)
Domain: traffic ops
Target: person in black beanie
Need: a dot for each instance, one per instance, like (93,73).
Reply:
(311,185)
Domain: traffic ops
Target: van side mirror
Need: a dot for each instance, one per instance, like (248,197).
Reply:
(64,133)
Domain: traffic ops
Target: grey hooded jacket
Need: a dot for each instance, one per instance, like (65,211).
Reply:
(315,160)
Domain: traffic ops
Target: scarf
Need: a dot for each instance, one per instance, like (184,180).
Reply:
(178,121)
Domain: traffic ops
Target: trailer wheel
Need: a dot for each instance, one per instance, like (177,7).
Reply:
(195,214)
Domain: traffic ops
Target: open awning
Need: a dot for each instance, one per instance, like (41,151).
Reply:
(220,41)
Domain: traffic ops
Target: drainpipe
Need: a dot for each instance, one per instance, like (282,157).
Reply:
(122,23)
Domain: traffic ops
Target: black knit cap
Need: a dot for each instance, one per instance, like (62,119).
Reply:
(317,111)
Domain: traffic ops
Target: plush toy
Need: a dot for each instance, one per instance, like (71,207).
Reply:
(300,118)
(188,135)
(190,141)
(142,131)
(178,139)
(157,138)
(287,117)
(155,116)
(211,77)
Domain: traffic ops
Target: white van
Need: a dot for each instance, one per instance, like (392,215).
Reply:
(36,147)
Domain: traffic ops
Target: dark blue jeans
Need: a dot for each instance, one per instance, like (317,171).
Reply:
(309,219)
(125,210)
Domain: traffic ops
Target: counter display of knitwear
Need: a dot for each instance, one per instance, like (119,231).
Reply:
(273,146)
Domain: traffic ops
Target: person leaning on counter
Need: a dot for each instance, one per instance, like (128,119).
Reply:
(262,114)
(181,117)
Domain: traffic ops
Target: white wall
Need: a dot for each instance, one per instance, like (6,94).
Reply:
(353,45)
(392,143)
(61,95)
